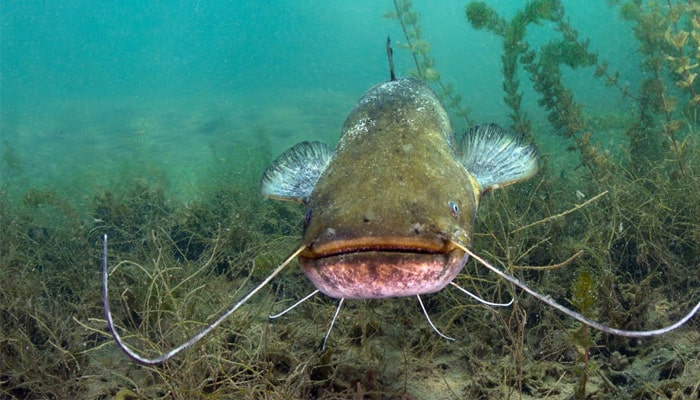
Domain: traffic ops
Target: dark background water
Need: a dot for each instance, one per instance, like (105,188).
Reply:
(93,91)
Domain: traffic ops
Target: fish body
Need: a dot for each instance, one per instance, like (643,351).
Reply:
(385,208)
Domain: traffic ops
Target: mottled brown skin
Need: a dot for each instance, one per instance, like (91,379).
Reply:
(382,218)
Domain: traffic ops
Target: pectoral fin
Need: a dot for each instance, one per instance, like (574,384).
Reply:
(496,158)
(293,175)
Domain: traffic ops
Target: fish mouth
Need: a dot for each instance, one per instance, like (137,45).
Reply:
(369,268)
(419,245)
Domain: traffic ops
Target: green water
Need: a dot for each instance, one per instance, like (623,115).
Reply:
(95,91)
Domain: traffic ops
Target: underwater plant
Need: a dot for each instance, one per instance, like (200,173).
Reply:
(669,50)
(669,36)
(583,298)
(426,68)
(661,134)
(481,16)
(565,114)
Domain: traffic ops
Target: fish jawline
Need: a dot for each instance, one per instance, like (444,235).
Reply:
(416,245)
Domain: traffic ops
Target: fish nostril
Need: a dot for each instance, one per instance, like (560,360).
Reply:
(460,235)
(454,208)
(417,228)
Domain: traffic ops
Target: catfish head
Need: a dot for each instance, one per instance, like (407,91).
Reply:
(386,207)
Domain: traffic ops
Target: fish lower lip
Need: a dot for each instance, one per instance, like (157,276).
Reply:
(379,273)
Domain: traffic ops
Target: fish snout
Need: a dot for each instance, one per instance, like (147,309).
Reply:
(378,267)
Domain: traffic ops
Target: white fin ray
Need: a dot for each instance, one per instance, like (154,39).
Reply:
(496,158)
(293,175)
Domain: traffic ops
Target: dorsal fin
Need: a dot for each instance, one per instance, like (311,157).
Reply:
(390,56)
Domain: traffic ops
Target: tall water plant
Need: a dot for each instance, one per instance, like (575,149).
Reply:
(544,67)
(426,68)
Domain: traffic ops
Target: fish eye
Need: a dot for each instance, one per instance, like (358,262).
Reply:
(454,208)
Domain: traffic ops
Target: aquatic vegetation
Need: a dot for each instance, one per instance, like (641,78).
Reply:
(651,159)
(670,53)
(379,348)
(583,298)
(669,36)
(426,68)
(515,48)
(565,114)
